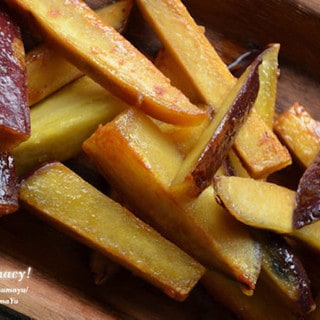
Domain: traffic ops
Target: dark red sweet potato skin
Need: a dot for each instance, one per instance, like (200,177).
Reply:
(8,185)
(14,111)
(281,260)
(307,208)
(224,136)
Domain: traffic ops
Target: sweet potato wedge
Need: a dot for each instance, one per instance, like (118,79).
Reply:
(259,148)
(256,144)
(257,203)
(63,121)
(307,209)
(264,205)
(105,55)
(268,75)
(202,162)
(300,133)
(264,304)
(283,268)
(309,235)
(139,161)
(63,198)
(8,184)
(14,112)
(47,71)
(204,71)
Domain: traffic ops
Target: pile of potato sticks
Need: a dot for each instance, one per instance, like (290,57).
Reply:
(186,147)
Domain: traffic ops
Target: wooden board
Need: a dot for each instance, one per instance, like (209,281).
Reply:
(60,285)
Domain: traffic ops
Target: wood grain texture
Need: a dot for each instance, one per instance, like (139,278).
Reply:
(61,285)
(294,24)
(252,24)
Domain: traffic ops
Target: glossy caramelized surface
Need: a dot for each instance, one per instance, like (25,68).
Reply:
(14,120)
(59,264)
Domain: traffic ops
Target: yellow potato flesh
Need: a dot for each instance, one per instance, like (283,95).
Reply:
(204,77)
(204,71)
(139,162)
(101,52)
(217,138)
(309,234)
(300,132)
(264,205)
(268,75)
(264,304)
(257,203)
(230,238)
(60,196)
(63,121)
(47,71)
(258,143)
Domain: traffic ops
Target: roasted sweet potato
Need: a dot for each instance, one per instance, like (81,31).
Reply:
(48,71)
(63,198)
(280,264)
(137,159)
(257,146)
(272,207)
(264,304)
(307,208)
(8,184)
(268,75)
(204,71)
(257,203)
(282,267)
(260,149)
(105,55)
(63,121)
(300,132)
(202,162)
(14,112)
(309,235)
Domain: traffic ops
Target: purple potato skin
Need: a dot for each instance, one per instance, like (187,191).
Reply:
(9,186)
(14,110)
(222,140)
(307,209)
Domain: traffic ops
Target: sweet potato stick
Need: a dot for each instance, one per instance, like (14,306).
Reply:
(100,51)
(137,159)
(8,184)
(47,71)
(307,209)
(264,304)
(190,50)
(14,113)
(283,268)
(272,209)
(202,162)
(300,132)
(14,119)
(259,148)
(204,76)
(62,121)
(61,197)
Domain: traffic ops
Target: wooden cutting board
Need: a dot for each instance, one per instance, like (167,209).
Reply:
(60,285)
